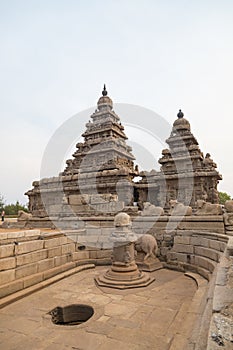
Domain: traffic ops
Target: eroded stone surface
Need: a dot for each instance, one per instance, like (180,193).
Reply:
(132,320)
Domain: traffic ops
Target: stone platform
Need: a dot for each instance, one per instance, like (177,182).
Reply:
(160,316)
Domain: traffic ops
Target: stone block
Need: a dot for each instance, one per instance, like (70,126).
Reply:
(7,263)
(81,239)
(29,258)
(45,264)
(25,270)
(26,247)
(222,246)
(54,209)
(68,266)
(31,280)
(68,248)
(93,254)
(10,288)
(205,263)
(31,233)
(222,297)
(182,239)
(82,255)
(7,276)
(77,199)
(172,256)
(182,257)
(61,260)
(164,251)
(55,242)
(209,226)
(204,273)
(199,241)
(103,198)
(3,235)
(80,208)
(208,253)
(221,278)
(88,238)
(15,235)
(214,244)
(106,223)
(92,231)
(183,248)
(56,251)
(7,250)
(104,245)
(107,231)
(103,253)
(52,272)
(110,207)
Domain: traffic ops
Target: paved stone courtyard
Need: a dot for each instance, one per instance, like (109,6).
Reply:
(160,316)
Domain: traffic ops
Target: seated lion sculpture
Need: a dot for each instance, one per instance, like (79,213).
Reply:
(147,244)
(151,210)
(179,209)
(22,215)
(206,208)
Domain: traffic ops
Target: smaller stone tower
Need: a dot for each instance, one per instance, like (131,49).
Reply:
(186,175)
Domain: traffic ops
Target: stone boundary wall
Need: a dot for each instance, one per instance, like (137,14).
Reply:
(166,228)
(95,231)
(221,325)
(197,251)
(29,257)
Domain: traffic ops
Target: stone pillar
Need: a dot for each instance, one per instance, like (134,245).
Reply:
(124,272)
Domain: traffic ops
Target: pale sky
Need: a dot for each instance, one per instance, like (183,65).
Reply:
(162,55)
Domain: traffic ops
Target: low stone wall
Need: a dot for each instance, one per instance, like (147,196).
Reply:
(29,257)
(196,251)
(95,231)
(221,325)
(166,228)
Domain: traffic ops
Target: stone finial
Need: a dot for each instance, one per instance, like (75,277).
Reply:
(180,114)
(122,219)
(104,92)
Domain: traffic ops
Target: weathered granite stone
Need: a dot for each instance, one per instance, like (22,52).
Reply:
(179,209)
(205,208)
(151,210)
(228,219)
(78,199)
(229,206)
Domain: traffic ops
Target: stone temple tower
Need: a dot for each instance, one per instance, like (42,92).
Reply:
(104,161)
(186,175)
(101,165)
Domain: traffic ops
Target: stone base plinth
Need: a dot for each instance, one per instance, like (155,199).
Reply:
(124,277)
(151,264)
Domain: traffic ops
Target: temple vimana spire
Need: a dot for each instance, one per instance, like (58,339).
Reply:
(99,177)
